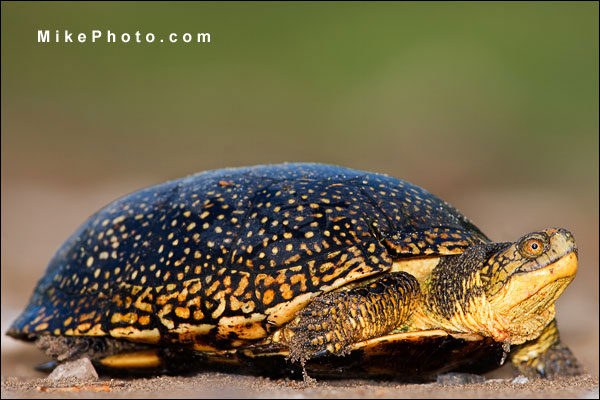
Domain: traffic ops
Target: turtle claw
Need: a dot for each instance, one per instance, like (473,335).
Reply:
(319,330)
(46,367)
(321,353)
(554,362)
(546,357)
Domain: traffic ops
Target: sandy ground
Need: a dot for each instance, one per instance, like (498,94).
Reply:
(231,386)
(38,217)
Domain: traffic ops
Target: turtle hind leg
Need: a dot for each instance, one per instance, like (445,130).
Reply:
(336,320)
(68,348)
(546,356)
(110,355)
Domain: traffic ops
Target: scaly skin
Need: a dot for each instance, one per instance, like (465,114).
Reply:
(498,290)
(454,296)
(337,319)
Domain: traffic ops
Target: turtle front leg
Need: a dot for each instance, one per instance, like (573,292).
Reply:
(335,320)
(545,356)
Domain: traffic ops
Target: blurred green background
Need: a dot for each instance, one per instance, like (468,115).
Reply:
(492,106)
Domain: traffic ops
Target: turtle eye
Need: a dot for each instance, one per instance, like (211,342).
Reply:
(532,247)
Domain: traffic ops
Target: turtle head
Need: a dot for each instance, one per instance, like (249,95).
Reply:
(523,280)
(503,290)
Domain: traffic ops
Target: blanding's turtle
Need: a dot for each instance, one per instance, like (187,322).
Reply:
(272,269)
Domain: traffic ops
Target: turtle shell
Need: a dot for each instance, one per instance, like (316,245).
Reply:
(230,255)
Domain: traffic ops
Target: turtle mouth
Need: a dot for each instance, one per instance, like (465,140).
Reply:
(560,244)
(543,285)
(562,266)
(537,265)
(540,281)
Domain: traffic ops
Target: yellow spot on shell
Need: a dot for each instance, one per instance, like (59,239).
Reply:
(268,296)
(182,312)
(144,336)
(220,308)
(89,261)
(83,327)
(198,315)
(41,327)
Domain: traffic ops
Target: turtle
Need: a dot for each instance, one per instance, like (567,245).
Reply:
(300,267)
